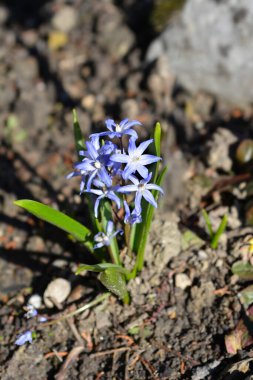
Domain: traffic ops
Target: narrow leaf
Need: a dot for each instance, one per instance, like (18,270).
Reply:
(142,229)
(101,268)
(157,139)
(78,135)
(208,223)
(106,215)
(57,218)
(219,232)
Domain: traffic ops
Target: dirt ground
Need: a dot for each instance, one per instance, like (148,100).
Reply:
(57,55)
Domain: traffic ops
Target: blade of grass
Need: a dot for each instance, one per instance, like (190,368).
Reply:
(219,232)
(208,223)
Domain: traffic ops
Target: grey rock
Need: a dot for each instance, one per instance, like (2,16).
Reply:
(210,47)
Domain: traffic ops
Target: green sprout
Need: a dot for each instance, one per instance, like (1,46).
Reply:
(214,235)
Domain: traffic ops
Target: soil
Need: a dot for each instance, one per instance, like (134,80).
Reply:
(186,300)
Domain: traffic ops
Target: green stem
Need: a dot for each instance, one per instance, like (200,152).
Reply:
(80,310)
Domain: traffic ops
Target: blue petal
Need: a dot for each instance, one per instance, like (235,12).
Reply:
(105,177)
(132,147)
(91,149)
(91,179)
(23,338)
(130,132)
(109,228)
(114,198)
(129,169)
(132,123)
(123,123)
(152,186)
(97,204)
(109,124)
(127,189)
(98,245)
(143,146)
(147,159)
(137,202)
(85,165)
(142,171)
(149,197)
(119,157)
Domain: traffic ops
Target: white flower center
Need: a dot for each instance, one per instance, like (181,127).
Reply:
(118,128)
(141,187)
(135,158)
(97,165)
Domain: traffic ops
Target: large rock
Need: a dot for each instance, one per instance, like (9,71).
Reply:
(210,47)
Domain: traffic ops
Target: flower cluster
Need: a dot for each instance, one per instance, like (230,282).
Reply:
(27,336)
(110,171)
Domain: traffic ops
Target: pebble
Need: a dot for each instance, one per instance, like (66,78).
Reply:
(182,281)
(88,102)
(35,300)
(65,19)
(58,290)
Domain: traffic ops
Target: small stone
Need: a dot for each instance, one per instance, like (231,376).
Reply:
(35,300)
(182,281)
(65,19)
(58,290)
(88,102)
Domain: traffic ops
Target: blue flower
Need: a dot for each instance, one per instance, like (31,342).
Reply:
(42,319)
(104,192)
(92,165)
(103,239)
(118,130)
(31,311)
(83,178)
(142,190)
(135,160)
(131,218)
(23,338)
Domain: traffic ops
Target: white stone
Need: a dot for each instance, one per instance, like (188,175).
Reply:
(35,300)
(182,281)
(58,290)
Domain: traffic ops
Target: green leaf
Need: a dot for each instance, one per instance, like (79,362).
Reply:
(243,270)
(101,268)
(78,135)
(246,296)
(142,229)
(57,218)
(157,139)
(219,232)
(115,282)
(208,223)
(106,215)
